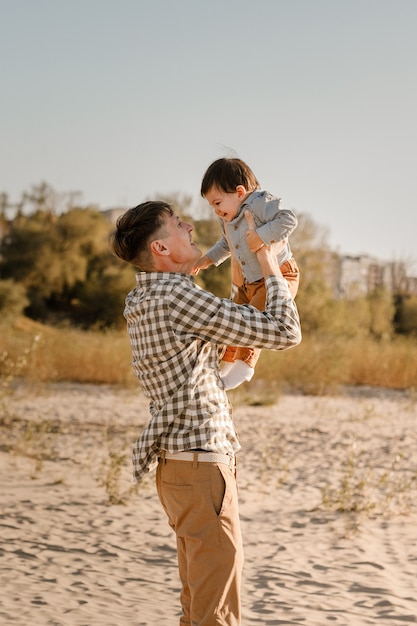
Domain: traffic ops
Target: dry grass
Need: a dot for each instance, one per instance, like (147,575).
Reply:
(323,365)
(65,354)
(363,482)
(48,441)
(373,487)
(318,366)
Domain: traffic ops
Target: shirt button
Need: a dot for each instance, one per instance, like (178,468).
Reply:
(237,246)
(243,262)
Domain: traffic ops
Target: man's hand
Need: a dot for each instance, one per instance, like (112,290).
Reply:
(267,255)
(253,240)
(255,243)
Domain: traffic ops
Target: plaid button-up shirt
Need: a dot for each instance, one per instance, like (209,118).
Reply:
(177,333)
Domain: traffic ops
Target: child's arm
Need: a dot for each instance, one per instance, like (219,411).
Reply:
(217,254)
(278,225)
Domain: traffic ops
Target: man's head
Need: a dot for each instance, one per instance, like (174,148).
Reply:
(226,183)
(152,237)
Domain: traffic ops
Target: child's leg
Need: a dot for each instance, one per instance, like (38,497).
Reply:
(239,297)
(256,296)
(229,354)
(291,273)
(246,358)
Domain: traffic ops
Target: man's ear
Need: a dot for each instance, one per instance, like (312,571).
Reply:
(159,247)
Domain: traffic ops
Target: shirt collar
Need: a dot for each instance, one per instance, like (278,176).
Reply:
(144,279)
(245,202)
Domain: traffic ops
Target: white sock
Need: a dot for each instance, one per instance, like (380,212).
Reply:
(225,367)
(240,372)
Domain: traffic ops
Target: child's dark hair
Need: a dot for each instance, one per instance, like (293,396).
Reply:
(135,230)
(227,174)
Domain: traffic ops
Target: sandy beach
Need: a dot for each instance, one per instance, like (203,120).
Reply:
(328,505)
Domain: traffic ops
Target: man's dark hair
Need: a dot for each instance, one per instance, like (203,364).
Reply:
(136,229)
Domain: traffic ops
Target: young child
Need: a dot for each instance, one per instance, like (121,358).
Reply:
(231,188)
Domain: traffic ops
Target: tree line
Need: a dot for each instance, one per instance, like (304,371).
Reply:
(56,267)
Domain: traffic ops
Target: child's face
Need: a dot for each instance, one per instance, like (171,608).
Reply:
(226,205)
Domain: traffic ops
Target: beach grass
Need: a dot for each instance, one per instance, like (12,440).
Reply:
(319,365)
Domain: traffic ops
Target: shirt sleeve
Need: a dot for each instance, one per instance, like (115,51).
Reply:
(279,224)
(220,251)
(196,313)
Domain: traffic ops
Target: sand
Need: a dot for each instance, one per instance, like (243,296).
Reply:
(328,506)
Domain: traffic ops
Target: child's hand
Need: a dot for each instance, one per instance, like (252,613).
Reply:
(202,264)
(253,240)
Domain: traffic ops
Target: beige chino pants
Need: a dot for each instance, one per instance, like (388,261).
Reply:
(200,500)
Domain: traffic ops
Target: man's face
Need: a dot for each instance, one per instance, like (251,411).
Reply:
(225,205)
(183,252)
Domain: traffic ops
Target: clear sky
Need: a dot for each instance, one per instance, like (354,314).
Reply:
(124,99)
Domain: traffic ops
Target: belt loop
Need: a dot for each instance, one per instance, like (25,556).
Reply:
(195,460)
(162,456)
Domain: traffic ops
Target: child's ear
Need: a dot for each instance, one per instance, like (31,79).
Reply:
(241,191)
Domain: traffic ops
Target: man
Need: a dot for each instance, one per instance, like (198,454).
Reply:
(178,333)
